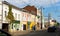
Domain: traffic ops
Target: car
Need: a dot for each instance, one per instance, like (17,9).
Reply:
(3,33)
(51,29)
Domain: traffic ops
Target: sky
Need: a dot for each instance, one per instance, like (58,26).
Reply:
(49,6)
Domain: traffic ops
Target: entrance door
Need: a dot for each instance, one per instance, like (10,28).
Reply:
(24,27)
(5,27)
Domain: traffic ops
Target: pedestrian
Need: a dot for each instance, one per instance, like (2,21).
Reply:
(34,27)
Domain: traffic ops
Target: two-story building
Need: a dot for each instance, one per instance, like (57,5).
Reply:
(17,16)
(25,18)
(31,21)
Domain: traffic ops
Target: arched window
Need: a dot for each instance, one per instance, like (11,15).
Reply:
(5,13)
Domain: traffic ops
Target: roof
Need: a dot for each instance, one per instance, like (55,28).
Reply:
(31,9)
(24,9)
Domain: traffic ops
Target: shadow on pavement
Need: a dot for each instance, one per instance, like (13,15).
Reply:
(7,34)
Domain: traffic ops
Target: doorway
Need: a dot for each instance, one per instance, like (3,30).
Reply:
(24,27)
(5,27)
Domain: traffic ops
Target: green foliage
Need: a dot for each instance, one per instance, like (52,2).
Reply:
(28,22)
(10,16)
(57,24)
(38,16)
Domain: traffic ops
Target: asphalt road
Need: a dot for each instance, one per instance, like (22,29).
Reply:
(42,33)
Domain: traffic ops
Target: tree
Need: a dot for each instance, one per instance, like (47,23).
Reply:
(57,24)
(10,16)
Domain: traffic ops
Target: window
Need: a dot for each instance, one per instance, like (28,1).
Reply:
(12,26)
(0,17)
(29,18)
(5,13)
(5,8)
(24,18)
(18,16)
(15,15)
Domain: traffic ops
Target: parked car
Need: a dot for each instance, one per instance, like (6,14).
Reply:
(3,33)
(51,29)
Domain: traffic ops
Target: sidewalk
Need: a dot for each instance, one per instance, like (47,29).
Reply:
(23,32)
(19,33)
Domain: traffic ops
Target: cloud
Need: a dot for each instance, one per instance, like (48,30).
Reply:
(44,2)
(21,1)
(18,2)
(34,2)
(25,0)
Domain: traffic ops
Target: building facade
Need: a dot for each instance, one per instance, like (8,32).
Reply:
(0,15)
(38,19)
(17,16)
(31,22)
(37,15)
(26,18)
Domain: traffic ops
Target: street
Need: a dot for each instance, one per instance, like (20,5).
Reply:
(41,33)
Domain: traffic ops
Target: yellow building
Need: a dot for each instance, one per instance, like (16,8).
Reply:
(31,16)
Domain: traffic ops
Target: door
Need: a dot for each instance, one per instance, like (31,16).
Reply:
(5,27)
(24,27)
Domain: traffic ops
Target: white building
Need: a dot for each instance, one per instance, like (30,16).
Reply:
(0,15)
(17,13)
(39,12)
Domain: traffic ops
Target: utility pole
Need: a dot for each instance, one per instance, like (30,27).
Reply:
(41,17)
(49,17)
